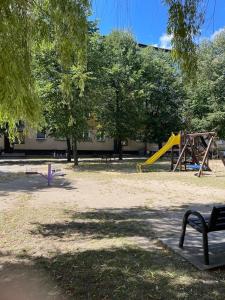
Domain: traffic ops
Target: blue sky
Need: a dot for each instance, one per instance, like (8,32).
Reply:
(147,19)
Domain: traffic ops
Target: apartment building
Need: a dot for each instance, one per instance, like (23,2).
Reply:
(40,143)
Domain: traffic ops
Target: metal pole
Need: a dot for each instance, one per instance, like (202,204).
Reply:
(49,174)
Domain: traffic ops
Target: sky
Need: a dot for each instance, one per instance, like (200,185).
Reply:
(147,19)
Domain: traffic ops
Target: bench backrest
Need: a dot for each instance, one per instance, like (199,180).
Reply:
(217,218)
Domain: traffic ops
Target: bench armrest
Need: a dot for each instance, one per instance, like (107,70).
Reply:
(197,214)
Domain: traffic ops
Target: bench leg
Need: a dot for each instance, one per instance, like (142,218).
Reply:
(184,225)
(205,248)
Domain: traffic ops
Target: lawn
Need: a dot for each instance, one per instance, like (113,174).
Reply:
(90,235)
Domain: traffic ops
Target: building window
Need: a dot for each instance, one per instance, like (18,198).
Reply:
(100,136)
(87,136)
(41,135)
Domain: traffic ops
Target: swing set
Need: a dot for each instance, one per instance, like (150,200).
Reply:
(195,150)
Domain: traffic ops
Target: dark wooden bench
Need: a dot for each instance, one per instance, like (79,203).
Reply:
(204,225)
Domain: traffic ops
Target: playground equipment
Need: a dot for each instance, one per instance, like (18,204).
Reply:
(52,172)
(194,149)
(172,141)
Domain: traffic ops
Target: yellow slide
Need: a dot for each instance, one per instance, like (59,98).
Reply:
(172,141)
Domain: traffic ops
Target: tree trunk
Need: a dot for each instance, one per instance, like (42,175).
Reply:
(115,149)
(8,148)
(160,145)
(145,148)
(68,149)
(120,149)
(75,153)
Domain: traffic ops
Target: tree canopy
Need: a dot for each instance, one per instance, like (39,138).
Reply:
(117,108)
(23,26)
(162,94)
(206,98)
(184,23)
(68,117)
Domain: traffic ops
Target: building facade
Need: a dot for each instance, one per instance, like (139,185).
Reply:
(40,143)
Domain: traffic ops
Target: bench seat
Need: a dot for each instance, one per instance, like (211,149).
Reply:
(214,222)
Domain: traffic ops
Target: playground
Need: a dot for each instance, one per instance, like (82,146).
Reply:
(95,232)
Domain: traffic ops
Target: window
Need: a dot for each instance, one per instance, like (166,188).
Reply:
(41,135)
(100,137)
(87,136)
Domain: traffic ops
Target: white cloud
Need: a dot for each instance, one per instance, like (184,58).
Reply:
(215,33)
(165,41)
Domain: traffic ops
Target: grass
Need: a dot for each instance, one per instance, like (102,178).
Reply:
(109,271)
(101,253)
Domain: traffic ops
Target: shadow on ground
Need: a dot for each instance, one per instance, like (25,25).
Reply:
(100,224)
(124,166)
(115,273)
(109,223)
(128,272)
(32,161)
(20,182)
(127,165)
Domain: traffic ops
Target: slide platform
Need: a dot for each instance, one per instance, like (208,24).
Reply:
(172,141)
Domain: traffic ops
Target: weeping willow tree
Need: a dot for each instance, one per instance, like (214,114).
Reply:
(24,24)
(184,23)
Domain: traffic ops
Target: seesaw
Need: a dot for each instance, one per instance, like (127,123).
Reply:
(52,172)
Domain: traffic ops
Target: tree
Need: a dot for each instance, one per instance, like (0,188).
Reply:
(162,96)
(55,111)
(68,117)
(184,23)
(24,25)
(117,109)
(206,98)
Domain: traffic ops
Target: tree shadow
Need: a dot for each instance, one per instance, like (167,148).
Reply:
(20,182)
(100,224)
(124,166)
(34,162)
(138,222)
(116,273)
(127,165)
(150,272)
(110,223)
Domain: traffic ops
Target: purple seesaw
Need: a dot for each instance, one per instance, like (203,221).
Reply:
(50,175)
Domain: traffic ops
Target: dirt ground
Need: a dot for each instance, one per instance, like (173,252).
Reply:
(89,235)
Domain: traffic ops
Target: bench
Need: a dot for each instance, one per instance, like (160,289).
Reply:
(204,225)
